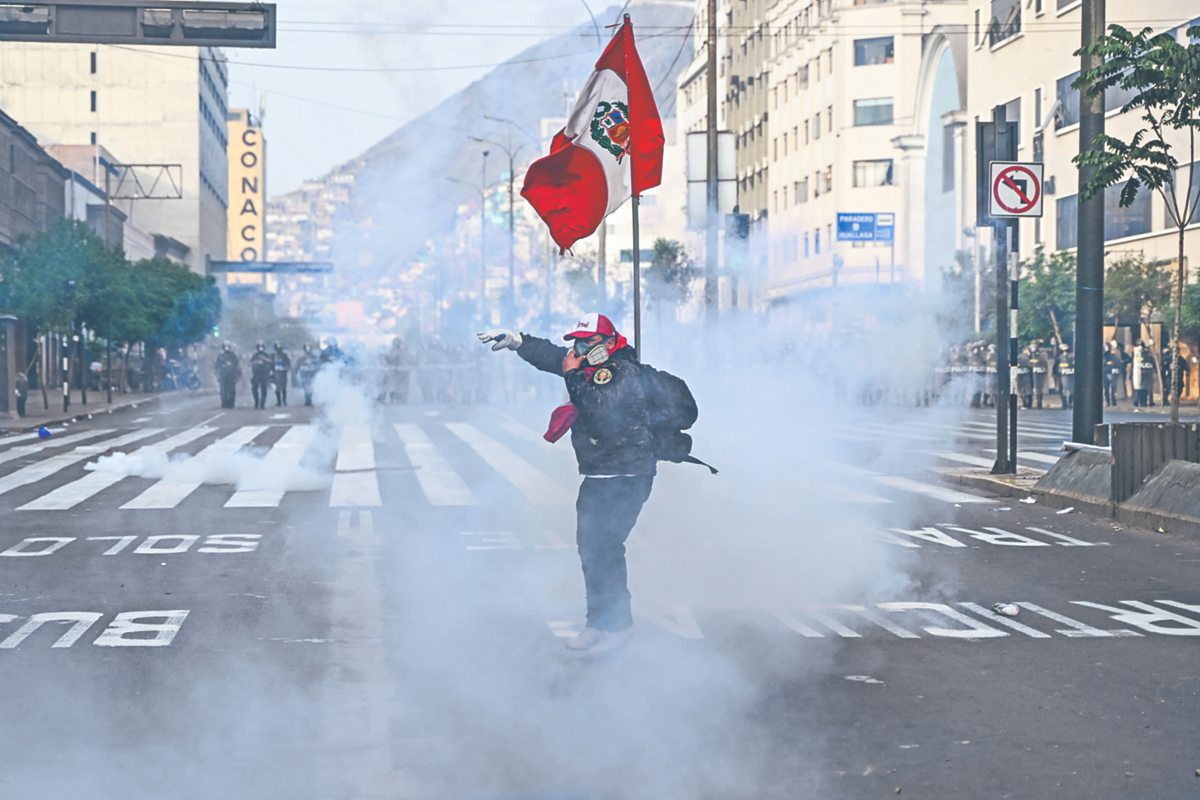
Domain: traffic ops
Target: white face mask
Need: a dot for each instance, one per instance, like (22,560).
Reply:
(597,355)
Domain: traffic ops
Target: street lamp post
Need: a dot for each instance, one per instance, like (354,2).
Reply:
(509,151)
(482,226)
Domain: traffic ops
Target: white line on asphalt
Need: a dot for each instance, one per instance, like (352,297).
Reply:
(928,489)
(1075,629)
(72,494)
(962,458)
(167,494)
(537,487)
(5,441)
(44,469)
(991,616)
(440,483)
(845,495)
(358,489)
(51,444)
(283,455)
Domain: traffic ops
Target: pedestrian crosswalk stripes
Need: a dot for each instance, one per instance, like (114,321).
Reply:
(355,483)
(41,470)
(168,493)
(538,488)
(52,444)
(440,483)
(72,494)
(442,464)
(5,441)
(284,455)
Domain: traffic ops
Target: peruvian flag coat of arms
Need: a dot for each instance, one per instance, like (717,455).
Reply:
(610,149)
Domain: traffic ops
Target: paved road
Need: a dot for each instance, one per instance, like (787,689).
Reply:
(369,606)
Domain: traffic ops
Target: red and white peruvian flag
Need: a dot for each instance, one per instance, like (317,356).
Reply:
(611,147)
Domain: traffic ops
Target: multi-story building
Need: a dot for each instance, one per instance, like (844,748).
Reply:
(1021,57)
(152,105)
(853,116)
(32,185)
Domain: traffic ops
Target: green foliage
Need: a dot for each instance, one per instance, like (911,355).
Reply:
(1047,295)
(1162,78)
(1134,289)
(1191,311)
(671,273)
(67,276)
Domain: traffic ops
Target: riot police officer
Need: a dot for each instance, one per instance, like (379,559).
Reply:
(1114,368)
(1038,372)
(1064,374)
(306,369)
(282,366)
(261,366)
(1025,379)
(228,369)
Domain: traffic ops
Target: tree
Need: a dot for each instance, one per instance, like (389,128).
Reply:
(1135,290)
(1048,295)
(1162,79)
(671,273)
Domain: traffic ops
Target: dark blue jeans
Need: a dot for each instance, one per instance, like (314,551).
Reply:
(607,510)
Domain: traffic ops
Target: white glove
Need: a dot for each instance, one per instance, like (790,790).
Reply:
(502,339)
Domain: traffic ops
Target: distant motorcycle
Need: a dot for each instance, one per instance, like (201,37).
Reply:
(177,375)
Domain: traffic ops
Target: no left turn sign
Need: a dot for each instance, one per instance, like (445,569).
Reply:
(1016,189)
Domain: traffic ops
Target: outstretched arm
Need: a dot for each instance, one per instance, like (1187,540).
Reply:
(542,353)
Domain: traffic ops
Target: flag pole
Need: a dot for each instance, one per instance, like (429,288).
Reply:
(637,282)
(637,248)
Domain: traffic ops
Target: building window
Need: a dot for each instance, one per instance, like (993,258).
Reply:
(775,149)
(93,101)
(1068,98)
(802,76)
(829,119)
(1065,3)
(1037,107)
(816,184)
(816,126)
(978,30)
(1037,7)
(93,137)
(93,61)
(802,191)
(817,242)
(829,178)
(875,111)
(873,172)
(1121,222)
(1005,22)
(877,50)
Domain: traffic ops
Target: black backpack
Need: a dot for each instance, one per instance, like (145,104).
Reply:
(672,410)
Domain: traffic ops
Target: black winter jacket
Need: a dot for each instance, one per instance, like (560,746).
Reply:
(612,435)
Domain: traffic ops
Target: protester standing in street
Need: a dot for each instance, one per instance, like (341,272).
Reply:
(611,434)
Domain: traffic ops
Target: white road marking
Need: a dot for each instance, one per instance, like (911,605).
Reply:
(538,488)
(1075,629)
(928,489)
(358,489)
(1007,622)
(284,454)
(440,483)
(44,469)
(72,494)
(963,458)
(167,494)
(5,441)
(33,449)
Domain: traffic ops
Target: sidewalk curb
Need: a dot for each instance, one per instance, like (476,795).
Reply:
(115,408)
(1024,484)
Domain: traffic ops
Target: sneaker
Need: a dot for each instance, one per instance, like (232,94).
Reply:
(594,642)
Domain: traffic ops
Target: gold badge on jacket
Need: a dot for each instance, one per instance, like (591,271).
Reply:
(602,376)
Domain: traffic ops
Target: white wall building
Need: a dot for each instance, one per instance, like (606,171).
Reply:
(151,105)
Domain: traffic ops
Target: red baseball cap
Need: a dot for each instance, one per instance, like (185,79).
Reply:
(590,325)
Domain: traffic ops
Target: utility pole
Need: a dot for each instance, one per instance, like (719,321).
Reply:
(1005,237)
(711,276)
(602,261)
(1089,274)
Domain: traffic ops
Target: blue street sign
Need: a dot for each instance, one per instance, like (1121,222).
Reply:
(866,227)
